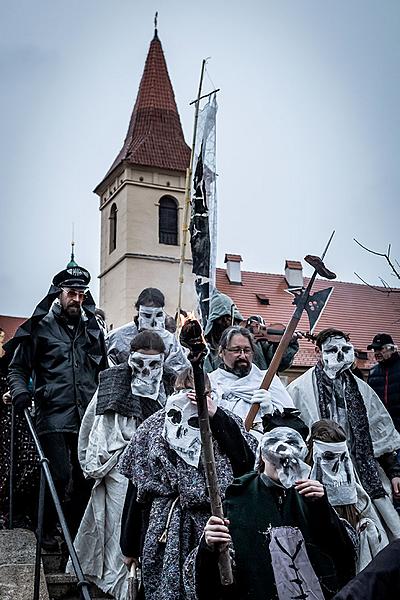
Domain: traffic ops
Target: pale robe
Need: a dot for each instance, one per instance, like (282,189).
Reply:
(385,438)
(102,439)
(235,393)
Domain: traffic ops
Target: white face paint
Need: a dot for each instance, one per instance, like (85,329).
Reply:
(337,356)
(151,318)
(146,374)
(334,469)
(181,428)
(284,448)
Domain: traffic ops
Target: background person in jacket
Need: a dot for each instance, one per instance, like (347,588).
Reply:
(384,378)
(61,347)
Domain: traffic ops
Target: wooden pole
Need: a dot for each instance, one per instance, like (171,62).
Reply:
(208,460)
(284,343)
(186,210)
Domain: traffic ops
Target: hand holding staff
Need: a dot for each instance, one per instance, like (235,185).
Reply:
(192,338)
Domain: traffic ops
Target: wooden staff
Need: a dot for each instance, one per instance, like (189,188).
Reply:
(300,301)
(192,338)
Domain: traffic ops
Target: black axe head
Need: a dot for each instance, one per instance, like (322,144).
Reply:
(317,263)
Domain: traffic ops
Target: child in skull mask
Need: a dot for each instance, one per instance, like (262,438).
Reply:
(127,395)
(331,464)
(287,540)
(166,513)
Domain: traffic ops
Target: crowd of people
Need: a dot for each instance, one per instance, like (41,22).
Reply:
(311,493)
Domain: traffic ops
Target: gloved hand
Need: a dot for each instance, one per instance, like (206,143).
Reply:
(268,405)
(22,401)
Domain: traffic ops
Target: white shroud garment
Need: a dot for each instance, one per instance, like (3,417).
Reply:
(235,393)
(385,439)
(102,439)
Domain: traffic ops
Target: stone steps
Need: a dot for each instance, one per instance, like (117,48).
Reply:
(17,568)
(62,586)
(17,565)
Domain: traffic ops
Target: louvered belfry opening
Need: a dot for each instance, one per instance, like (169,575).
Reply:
(113,228)
(168,221)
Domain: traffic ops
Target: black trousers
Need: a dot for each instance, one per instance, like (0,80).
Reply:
(72,488)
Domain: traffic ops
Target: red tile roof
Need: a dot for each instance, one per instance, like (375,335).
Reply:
(155,137)
(356,309)
(10,325)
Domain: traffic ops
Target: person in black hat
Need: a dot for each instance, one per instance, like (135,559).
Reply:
(384,377)
(62,349)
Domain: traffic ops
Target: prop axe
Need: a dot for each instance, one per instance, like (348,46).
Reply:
(192,337)
(300,301)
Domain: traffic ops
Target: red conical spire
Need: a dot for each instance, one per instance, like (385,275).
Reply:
(155,137)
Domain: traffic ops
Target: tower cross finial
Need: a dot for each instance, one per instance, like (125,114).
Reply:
(155,24)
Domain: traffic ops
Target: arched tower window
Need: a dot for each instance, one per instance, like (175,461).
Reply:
(113,228)
(168,221)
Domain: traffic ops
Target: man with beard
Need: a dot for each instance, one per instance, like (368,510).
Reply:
(237,380)
(61,348)
(331,391)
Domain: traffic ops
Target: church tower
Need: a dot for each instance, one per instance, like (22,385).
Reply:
(142,201)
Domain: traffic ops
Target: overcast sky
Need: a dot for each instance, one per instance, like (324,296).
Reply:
(308,132)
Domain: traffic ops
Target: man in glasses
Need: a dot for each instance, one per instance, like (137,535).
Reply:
(61,350)
(237,380)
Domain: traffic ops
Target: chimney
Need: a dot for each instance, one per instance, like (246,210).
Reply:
(233,268)
(294,273)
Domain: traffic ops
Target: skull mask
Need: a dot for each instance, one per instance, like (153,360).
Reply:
(337,356)
(146,374)
(334,469)
(151,318)
(285,449)
(181,428)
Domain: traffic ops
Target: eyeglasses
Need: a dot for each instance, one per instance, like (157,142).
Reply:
(246,351)
(71,293)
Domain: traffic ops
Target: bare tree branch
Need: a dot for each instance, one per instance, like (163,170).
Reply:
(388,290)
(385,255)
(368,249)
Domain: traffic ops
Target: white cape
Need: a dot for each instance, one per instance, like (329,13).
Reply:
(235,393)
(102,439)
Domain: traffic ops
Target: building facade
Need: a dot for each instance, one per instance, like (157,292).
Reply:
(142,202)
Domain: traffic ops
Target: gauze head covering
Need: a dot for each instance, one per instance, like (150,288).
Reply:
(285,449)
(181,427)
(337,355)
(334,469)
(147,370)
(151,317)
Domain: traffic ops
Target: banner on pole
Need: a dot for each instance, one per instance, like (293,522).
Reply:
(203,222)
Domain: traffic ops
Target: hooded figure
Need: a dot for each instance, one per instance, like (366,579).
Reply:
(124,399)
(286,539)
(223,313)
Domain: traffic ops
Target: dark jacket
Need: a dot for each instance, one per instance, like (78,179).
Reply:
(384,378)
(252,508)
(64,364)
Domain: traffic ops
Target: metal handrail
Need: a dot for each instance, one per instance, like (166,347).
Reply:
(45,478)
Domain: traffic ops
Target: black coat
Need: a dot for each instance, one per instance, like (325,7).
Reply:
(384,378)
(64,365)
